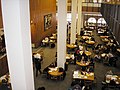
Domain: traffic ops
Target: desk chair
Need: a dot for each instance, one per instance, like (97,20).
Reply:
(41,88)
(88,83)
(76,87)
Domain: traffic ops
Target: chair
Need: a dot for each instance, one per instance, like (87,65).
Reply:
(112,61)
(61,69)
(112,84)
(45,72)
(76,87)
(41,88)
(87,88)
(52,45)
(88,83)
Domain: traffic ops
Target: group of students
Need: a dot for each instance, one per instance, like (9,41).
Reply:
(107,58)
(80,54)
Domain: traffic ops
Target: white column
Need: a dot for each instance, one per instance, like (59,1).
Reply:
(16,21)
(73,22)
(62,32)
(79,23)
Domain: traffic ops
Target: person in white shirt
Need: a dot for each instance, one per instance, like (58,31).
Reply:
(80,47)
(37,55)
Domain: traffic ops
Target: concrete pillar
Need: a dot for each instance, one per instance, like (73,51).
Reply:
(62,32)
(16,21)
(73,21)
(79,22)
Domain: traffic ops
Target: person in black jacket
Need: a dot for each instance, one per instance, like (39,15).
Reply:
(38,66)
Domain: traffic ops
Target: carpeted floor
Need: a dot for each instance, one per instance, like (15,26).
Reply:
(49,57)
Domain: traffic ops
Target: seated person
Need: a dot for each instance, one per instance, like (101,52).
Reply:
(61,69)
(45,71)
(112,82)
(90,69)
(97,57)
(109,72)
(52,65)
(4,85)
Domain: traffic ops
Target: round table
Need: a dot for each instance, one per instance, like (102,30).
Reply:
(90,42)
(71,46)
(82,63)
(88,53)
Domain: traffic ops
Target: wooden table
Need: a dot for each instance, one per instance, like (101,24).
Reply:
(86,37)
(88,53)
(105,40)
(71,46)
(55,72)
(90,42)
(104,36)
(84,76)
(69,56)
(82,63)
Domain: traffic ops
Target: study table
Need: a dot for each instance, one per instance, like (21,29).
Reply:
(54,71)
(83,75)
(104,36)
(88,53)
(90,42)
(83,63)
(86,37)
(111,81)
(71,46)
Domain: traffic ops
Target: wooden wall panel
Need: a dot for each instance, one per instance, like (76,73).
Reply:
(39,8)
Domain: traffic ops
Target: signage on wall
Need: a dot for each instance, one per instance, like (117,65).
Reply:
(47,21)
